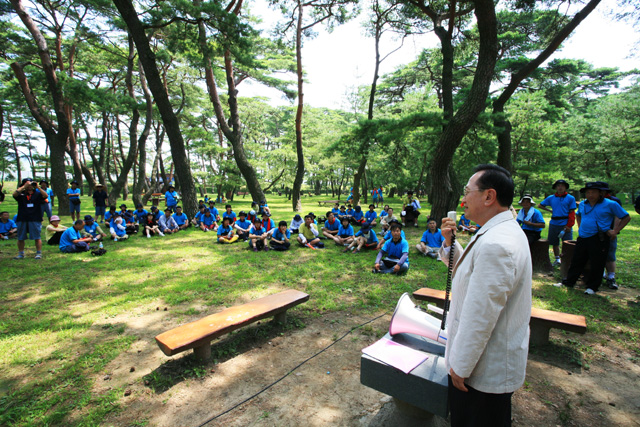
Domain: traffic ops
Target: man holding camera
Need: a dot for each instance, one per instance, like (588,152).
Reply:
(29,215)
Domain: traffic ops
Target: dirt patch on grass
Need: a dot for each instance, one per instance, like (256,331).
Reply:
(561,387)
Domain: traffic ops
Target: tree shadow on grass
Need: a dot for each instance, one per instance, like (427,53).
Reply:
(175,371)
(555,353)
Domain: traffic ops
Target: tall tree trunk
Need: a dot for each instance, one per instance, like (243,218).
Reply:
(500,122)
(297,182)
(15,150)
(170,120)
(443,194)
(142,143)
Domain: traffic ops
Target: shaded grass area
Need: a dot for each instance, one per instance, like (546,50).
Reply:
(56,335)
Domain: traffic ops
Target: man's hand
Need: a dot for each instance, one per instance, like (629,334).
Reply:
(458,381)
(396,268)
(448,228)
(567,229)
(377,267)
(612,233)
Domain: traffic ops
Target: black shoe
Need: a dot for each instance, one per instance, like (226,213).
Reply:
(611,283)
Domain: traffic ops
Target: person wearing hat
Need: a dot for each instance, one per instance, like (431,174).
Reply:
(8,228)
(156,213)
(530,219)
(100,201)
(29,217)
(431,240)
(72,241)
(118,228)
(151,226)
(48,205)
(597,225)
(54,231)
(562,207)
(167,224)
(296,222)
(364,238)
(267,223)
(342,213)
(171,198)
(92,229)
(73,194)
(393,257)
(181,218)
(242,226)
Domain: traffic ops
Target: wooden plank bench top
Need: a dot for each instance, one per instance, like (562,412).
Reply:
(541,320)
(197,335)
(326,202)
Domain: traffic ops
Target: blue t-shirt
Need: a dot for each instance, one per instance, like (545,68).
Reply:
(73,194)
(433,240)
(464,221)
(345,232)
(108,216)
(256,231)
(560,207)
(139,216)
(268,224)
(199,216)
(535,216)
(244,224)
(91,229)
(350,212)
(343,213)
(599,217)
(335,211)
(171,198)
(383,213)
(214,212)
(332,227)
(279,236)
(9,225)
(181,219)
(50,194)
(396,250)
(371,236)
(388,235)
(231,216)
(357,215)
(207,220)
(222,230)
(68,236)
(380,192)
(370,216)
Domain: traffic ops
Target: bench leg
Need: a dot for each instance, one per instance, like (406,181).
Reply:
(539,334)
(203,352)
(280,318)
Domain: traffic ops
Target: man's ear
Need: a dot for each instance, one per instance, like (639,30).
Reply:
(490,197)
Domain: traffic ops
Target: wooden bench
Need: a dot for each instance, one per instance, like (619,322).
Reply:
(541,320)
(327,202)
(155,198)
(198,335)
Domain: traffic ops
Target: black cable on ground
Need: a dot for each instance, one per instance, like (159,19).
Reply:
(291,371)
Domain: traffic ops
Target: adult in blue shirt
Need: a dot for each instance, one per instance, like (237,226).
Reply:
(371,215)
(345,233)
(48,205)
(74,200)
(72,241)
(331,226)
(530,219)
(280,237)
(364,238)
(563,207)
(171,198)
(388,235)
(242,226)
(595,217)
(140,214)
(431,240)
(393,258)
(181,218)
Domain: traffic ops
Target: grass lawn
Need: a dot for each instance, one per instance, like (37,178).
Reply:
(56,336)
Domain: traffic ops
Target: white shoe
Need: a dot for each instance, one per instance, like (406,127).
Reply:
(589,291)
(148,237)
(558,285)
(5,237)
(206,229)
(556,262)
(161,233)
(115,239)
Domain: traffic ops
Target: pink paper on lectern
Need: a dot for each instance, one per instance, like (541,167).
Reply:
(397,355)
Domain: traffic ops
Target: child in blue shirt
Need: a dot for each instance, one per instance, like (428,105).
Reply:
(118,228)
(350,211)
(8,228)
(229,214)
(258,236)
(358,216)
(171,198)
(371,215)
(343,213)
(431,240)
(108,216)
(267,223)
(92,229)
(345,233)
(336,210)
(226,233)
(365,237)
(214,210)
(181,218)
(393,258)
(331,226)
(280,237)
(242,226)
(140,214)
(198,217)
(208,221)
(156,212)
